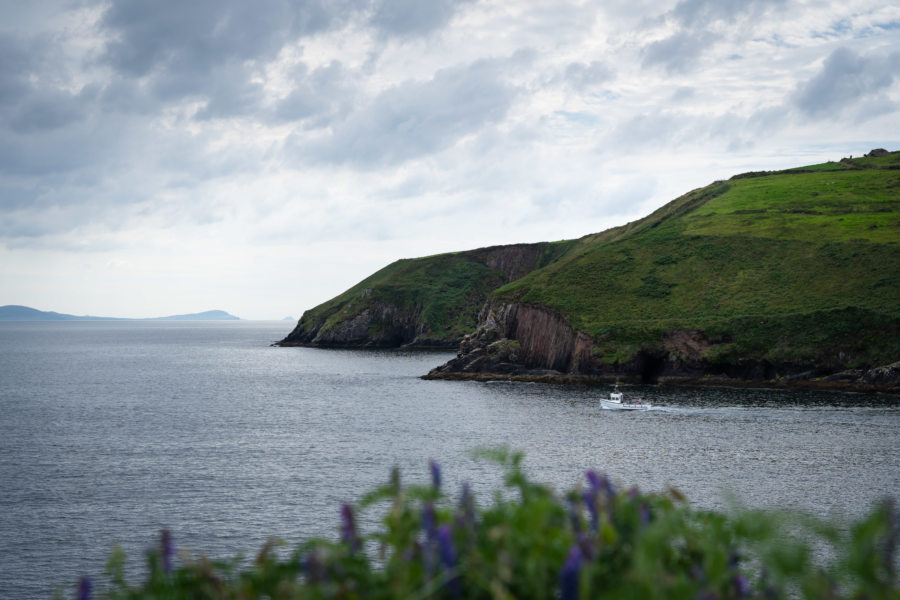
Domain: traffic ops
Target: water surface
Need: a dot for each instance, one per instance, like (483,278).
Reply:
(111,431)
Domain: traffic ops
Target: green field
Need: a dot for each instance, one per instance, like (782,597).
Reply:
(796,266)
(782,266)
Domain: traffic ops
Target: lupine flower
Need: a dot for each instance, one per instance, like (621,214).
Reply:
(600,483)
(348,528)
(741,586)
(85,586)
(166,550)
(435,475)
(568,577)
(447,554)
(445,546)
(429,521)
(590,500)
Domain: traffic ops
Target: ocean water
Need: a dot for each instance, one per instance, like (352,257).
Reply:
(112,431)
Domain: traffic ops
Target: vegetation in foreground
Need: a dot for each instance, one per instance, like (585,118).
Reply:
(595,541)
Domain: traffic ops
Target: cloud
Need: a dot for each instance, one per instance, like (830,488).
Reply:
(678,52)
(176,36)
(583,75)
(318,95)
(846,78)
(699,25)
(406,18)
(701,13)
(414,119)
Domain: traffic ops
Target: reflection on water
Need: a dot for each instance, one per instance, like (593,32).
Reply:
(112,431)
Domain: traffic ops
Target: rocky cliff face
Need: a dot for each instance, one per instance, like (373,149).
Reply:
(399,309)
(535,343)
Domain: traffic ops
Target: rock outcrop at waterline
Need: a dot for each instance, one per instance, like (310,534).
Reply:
(535,343)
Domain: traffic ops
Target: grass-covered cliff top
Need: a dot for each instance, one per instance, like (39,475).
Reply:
(799,266)
(435,299)
(779,264)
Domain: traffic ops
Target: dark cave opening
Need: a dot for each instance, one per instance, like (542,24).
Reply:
(651,366)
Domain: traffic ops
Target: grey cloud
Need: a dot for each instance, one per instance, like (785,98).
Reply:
(696,21)
(845,79)
(15,68)
(31,96)
(318,95)
(52,109)
(582,75)
(194,36)
(700,13)
(412,17)
(415,119)
(169,50)
(679,51)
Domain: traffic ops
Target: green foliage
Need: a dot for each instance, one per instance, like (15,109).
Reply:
(768,261)
(595,541)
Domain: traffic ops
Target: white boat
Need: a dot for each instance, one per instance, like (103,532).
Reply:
(617,401)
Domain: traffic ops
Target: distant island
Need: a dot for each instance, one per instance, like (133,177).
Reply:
(773,278)
(13,312)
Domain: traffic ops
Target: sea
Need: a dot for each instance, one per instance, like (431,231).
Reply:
(112,431)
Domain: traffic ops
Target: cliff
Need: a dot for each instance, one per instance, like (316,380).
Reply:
(429,302)
(775,278)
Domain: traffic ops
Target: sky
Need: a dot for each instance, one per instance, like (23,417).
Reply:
(170,157)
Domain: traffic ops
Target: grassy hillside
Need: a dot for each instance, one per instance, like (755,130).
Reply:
(432,300)
(798,265)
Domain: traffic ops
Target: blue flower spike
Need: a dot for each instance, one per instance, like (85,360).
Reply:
(167,550)
(569,576)
(85,586)
(435,475)
(348,528)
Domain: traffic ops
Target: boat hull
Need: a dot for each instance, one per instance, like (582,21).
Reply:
(612,405)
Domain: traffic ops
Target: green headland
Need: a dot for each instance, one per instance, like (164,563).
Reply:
(789,275)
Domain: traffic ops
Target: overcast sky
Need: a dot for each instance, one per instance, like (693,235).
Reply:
(170,156)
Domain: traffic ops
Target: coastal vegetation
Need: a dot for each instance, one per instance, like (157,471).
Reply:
(782,275)
(788,266)
(596,541)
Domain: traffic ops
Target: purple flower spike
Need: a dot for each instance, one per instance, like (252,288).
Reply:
(429,521)
(568,577)
(590,500)
(741,586)
(448,558)
(348,528)
(435,474)
(600,483)
(445,546)
(167,550)
(85,586)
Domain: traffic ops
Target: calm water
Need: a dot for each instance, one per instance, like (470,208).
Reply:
(111,431)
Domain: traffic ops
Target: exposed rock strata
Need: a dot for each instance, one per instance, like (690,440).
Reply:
(369,322)
(535,343)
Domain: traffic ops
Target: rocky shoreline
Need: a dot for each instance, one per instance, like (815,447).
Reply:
(519,342)
(712,381)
